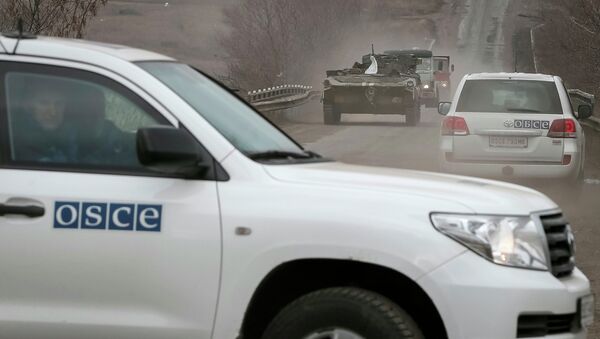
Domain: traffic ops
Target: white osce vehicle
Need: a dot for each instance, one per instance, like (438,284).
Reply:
(513,125)
(140,199)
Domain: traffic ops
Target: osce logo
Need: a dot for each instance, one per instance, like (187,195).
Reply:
(534,124)
(112,216)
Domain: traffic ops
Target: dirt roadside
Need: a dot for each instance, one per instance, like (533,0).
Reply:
(551,58)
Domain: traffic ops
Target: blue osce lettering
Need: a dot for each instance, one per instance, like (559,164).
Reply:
(107,216)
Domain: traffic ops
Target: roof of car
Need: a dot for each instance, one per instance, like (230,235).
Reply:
(510,76)
(75,49)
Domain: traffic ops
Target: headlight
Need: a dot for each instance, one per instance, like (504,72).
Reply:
(505,240)
(426,86)
(444,84)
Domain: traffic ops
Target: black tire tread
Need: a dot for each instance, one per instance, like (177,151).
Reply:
(413,116)
(392,313)
(330,116)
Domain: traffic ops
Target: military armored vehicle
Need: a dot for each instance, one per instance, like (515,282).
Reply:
(381,84)
(434,72)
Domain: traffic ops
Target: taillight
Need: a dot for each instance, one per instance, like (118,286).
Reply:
(454,126)
(563,128)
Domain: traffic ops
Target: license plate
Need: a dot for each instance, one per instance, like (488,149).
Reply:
(509,142)
(586,311)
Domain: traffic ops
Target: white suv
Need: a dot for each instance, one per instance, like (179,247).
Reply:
(513,125)
(140,199)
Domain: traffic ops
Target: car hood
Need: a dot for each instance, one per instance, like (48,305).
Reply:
(480,195)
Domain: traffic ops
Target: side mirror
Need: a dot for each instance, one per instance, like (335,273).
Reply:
(170,150)
(444,108)
(584,112)
(452,68)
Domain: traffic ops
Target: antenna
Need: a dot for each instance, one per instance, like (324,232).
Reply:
(515,52)
(372,49)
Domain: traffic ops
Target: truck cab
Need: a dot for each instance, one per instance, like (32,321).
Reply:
(434,72)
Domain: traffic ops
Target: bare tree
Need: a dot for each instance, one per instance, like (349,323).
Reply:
(274,41)
(65,18)
(588,13)
(568,44)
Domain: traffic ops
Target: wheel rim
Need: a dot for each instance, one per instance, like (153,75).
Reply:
(334,333)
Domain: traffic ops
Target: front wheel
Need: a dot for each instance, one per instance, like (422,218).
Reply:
(413,116)
(343,312)
(331,116)
(432,103)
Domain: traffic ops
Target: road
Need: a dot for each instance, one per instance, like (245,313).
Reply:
(481,37)
(385,141)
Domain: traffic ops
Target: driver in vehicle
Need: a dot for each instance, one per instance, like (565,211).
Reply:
(48,139)
(99,140)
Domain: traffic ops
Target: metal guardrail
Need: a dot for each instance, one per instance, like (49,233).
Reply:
(582,97)
(579,97)
(281,97)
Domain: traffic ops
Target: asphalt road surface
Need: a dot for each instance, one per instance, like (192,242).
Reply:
(385,141)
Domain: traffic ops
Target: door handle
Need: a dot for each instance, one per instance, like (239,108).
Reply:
(31,211)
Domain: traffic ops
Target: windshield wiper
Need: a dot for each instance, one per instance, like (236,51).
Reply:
(529,110)
(277,154)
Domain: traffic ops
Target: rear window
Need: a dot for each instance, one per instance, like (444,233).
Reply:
(513,96)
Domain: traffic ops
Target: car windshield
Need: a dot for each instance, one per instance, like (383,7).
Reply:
(424,65)
(509,96)
(247,130)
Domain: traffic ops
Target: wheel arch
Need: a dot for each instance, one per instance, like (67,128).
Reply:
(307,275)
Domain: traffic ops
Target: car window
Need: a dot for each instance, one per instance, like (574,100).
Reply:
(71,119)
(243,127)
(425,64)
(509,96)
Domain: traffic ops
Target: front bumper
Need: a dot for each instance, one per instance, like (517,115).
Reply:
(427,94)
(481,300)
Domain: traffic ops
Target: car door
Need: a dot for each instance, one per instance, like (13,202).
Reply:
(508,120)
(92,244)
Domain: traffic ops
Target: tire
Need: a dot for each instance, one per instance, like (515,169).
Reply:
(433,102)
(413,117)
(348,310)
(330,115)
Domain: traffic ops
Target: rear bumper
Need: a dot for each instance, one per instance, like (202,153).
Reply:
(510,170)
(371,99)
(497,168)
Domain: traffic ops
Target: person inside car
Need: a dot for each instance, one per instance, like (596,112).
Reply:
(99,140)
(48,138)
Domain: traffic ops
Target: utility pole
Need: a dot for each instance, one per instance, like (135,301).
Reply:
(515,54)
